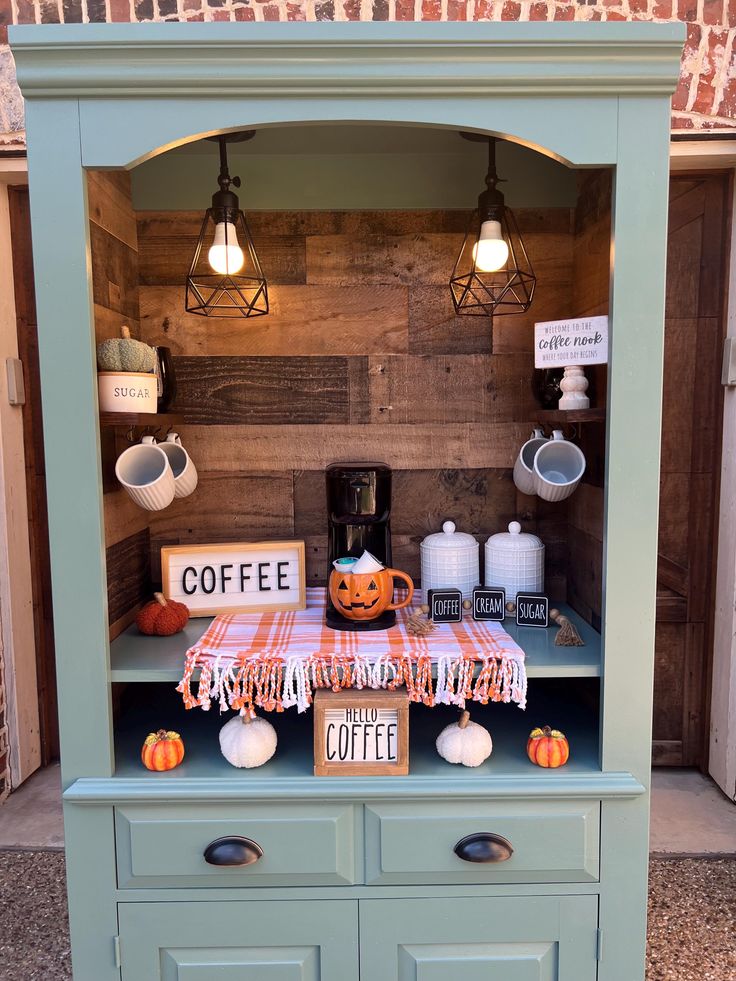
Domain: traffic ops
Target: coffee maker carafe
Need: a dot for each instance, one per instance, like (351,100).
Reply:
(358,520)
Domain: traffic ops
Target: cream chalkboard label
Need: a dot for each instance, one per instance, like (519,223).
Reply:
(361,732)
(571,342)
(254,577)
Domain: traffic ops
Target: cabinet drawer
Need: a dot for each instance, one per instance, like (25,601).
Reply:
(160,845)
(415,843)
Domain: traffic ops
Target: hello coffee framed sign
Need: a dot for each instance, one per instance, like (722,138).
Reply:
(361,733)
(252,577)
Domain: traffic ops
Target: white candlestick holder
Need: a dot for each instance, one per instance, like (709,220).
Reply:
(573,386)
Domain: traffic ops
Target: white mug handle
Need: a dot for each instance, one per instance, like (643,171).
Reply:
(148,439)
(173,438)
(558,434)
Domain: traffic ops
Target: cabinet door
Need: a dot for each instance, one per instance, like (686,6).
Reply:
(546,938)
(239,941)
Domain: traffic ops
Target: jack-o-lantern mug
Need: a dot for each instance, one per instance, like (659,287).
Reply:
(366,596)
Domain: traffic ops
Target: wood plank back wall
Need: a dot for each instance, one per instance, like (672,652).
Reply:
(114,252)
(361,358)
(591,289)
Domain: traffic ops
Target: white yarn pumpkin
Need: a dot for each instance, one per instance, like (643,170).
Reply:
(465,742)
(247,742)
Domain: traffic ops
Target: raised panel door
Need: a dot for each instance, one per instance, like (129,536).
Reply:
(548,938)
(239,941)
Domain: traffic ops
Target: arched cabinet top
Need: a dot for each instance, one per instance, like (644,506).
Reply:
(145,88)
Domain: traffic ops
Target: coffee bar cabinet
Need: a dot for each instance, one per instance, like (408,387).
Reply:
(357,876)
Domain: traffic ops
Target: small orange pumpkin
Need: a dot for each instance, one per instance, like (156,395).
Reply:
(162,617)
(162,750)
(365,596)
(548,747)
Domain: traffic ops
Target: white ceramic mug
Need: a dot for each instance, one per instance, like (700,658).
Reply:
(185,473)
(558,468)
(144,472)
(523,468)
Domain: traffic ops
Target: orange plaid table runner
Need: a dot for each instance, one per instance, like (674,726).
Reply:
(276,660)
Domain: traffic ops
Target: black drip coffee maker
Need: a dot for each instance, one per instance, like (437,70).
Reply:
(358,520)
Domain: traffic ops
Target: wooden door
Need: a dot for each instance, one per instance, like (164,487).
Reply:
(691,450)
(241,941)
(549,938)
(25,305)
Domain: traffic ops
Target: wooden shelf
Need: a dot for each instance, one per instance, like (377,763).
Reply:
(136,658)
(570,416)
(141,419)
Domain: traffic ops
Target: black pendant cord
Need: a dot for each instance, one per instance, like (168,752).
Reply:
(224,179)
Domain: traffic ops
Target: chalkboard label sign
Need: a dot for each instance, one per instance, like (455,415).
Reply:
(253,577)
(489,603)
(361,732)
(445,605)
(532,610)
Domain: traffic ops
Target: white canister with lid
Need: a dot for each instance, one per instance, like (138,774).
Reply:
(515,560)
(450,559)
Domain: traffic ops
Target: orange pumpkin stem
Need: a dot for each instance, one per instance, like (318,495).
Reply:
(161,599)
(464,719)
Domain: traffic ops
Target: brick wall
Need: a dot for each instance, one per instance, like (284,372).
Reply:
(705,97)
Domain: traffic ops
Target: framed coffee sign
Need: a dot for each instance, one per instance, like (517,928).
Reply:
(253,577)
(361,733)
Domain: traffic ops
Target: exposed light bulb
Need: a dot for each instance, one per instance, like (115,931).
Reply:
(225,258)
(491,251)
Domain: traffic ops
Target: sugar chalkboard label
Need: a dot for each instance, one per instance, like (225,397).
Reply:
(445,605)
(489,603)
(532,610)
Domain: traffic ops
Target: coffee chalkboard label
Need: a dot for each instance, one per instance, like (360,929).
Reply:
(445,605)
(532,610)
(489,603)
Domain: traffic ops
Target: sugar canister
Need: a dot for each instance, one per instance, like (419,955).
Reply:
(515,560)
(450,558)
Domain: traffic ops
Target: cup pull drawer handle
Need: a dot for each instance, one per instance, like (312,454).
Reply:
(484,847)
(233,850)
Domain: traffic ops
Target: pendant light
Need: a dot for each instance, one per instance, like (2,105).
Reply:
(492,272)
(225,277)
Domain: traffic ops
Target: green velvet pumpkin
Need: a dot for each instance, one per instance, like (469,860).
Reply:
(125,354)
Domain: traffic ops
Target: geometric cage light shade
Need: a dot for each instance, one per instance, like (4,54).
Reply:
(504,291)
(226,293)
(493,273)
(225,278)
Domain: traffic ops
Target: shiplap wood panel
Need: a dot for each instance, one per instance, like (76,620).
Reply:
(122,516)
(108,196)
(425,258)
(259,448)
(434,328)
(445,388)
(108,323)
(128,574)
(273,391)
(245,507)
(114,273)
(314,320)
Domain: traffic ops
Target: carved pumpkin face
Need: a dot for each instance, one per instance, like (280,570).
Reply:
(365,597)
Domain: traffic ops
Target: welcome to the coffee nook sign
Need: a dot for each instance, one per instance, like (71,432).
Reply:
(582,341)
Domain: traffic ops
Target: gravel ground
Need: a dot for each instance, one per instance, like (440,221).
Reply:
(692,919)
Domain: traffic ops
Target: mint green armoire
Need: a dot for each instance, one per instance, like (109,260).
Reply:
(358,877)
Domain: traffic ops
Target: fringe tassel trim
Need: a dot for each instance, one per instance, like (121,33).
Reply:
(275,684)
